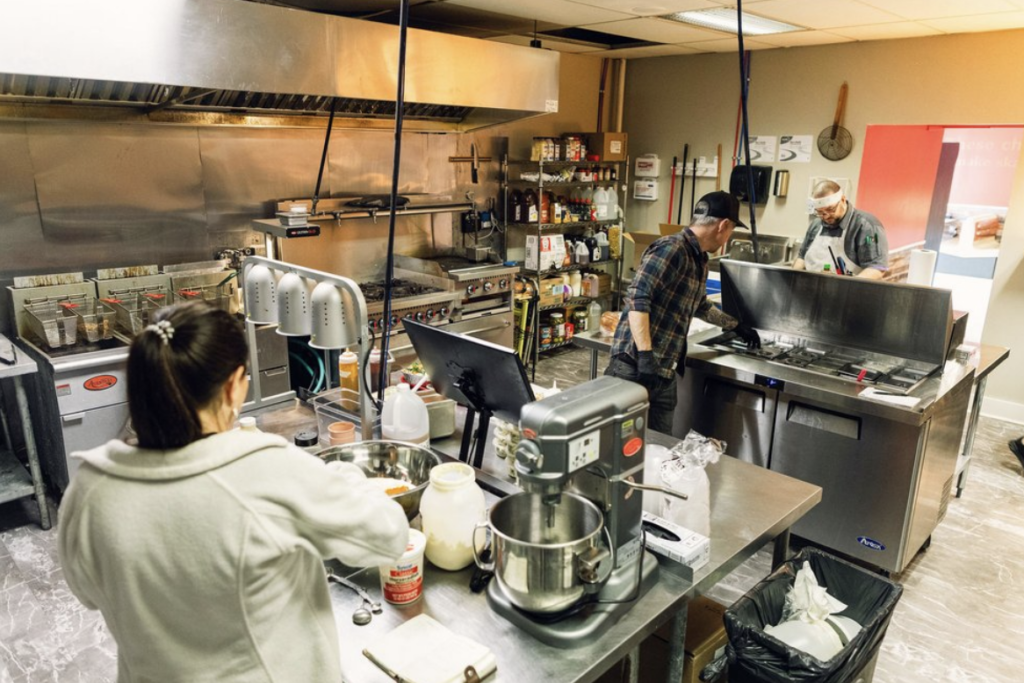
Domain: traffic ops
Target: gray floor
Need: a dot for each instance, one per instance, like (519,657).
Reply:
(960,617)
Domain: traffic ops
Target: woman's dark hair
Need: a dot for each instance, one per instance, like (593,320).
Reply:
(176,366)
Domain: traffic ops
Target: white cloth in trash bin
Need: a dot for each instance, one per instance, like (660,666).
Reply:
(810,620)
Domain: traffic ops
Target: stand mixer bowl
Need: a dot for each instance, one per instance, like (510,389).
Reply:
(541,566)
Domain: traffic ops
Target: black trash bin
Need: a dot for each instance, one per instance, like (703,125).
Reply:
(756,657)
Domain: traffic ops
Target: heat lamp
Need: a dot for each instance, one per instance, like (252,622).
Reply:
(331,327)
(260,295)
(293,310)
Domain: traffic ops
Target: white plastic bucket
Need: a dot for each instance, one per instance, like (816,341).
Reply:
(402,581)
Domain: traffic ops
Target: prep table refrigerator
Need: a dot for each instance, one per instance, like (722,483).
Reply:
(886,469)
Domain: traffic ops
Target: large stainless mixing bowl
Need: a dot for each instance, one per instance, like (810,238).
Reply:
(392,459)
(545,558)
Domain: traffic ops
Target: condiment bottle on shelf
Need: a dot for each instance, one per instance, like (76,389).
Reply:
(582,253)
(575,281)
(566,287)
(530,203)
(348,371)
(516,207)
(545,207)
(588,203)
(452,505)
(602,244)
(600,203)
(404,417)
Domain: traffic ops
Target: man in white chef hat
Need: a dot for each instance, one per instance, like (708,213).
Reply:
(846,239)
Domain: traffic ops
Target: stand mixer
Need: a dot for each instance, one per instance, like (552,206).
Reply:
(587,441)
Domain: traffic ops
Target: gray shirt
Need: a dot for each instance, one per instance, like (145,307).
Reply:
(863,238)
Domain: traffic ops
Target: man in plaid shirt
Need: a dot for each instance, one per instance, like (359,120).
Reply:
(666,293)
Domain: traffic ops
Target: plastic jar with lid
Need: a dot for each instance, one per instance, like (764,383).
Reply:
(557,327)
(308,441)
(248,424)
(451,506)
(575,282)
(580,319)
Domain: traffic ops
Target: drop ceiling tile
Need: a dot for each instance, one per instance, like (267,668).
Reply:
(804,38)
(1001,21)
(556,11)
(549,43)
(821,14)
(650,8)
(655,30)
(898,29)
(648,51)
(728,45)
(935,9)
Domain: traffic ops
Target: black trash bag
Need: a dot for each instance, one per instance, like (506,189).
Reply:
(755,656)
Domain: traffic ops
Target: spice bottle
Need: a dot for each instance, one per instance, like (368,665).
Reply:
(451,506)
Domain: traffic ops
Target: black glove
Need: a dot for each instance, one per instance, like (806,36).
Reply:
(646,368)
(749,335)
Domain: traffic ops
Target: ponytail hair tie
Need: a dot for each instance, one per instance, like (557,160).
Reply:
(164,329)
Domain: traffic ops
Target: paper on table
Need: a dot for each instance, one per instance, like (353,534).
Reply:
(423,651)
(877,395)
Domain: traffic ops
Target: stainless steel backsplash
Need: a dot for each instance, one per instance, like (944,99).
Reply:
(77,196)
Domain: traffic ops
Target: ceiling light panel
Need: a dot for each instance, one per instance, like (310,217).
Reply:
(727,19)
(1002,21)
(654,30)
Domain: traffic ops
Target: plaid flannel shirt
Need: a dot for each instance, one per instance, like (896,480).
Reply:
(669,286)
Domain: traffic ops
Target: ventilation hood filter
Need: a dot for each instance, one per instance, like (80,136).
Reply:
(161,58)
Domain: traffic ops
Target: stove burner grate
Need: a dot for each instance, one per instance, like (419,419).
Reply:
(400,289)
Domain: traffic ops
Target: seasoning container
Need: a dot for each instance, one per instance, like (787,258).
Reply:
(402,582)
(570,330)
(308,441)
(557,327)
(451,506)
(247,424)
(579,319)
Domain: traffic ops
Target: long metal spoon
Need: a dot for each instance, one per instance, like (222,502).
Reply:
(362,616)
(375,606)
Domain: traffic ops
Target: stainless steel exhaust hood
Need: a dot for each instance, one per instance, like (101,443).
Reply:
(230,60)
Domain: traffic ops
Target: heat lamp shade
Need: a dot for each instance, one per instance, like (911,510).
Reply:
(260,295)
(293,315)
(332,328)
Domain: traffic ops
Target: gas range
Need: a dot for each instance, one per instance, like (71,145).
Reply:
(896,375)
(413,295)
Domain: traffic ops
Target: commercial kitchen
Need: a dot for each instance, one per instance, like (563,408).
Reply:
(242,152)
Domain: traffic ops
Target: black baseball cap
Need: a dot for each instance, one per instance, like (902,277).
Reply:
(719,204)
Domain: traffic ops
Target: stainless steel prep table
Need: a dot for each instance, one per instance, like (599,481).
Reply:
(750,507)
(596,342)
(14,482)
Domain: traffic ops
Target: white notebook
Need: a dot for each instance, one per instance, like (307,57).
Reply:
(423,651)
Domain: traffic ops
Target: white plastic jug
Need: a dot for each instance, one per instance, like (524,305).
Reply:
(594,316)
(601,204)
(405,417)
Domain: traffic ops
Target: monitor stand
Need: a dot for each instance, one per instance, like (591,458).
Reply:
(473,441)
(589,622)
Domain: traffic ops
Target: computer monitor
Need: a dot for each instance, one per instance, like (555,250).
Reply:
(487,378)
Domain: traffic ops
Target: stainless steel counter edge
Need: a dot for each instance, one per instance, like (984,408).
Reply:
(842,394)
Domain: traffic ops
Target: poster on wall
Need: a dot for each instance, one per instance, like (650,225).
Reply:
(762,149)
(795,148)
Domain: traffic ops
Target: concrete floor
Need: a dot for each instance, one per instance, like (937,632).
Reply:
(960,617)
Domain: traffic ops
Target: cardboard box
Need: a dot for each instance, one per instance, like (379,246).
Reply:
(604,284)
(551,291)
(608,146)
(633,246)
(705,638)
(545,251)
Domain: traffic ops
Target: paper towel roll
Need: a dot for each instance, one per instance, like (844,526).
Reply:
(922,267)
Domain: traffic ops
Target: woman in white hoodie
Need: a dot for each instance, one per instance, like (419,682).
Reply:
(203,546)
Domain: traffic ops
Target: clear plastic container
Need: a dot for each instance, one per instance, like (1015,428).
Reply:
(405,417)
(451,507)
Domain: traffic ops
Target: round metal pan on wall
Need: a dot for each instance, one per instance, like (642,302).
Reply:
(835,142)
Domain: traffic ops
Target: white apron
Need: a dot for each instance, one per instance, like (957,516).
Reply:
(817,254)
